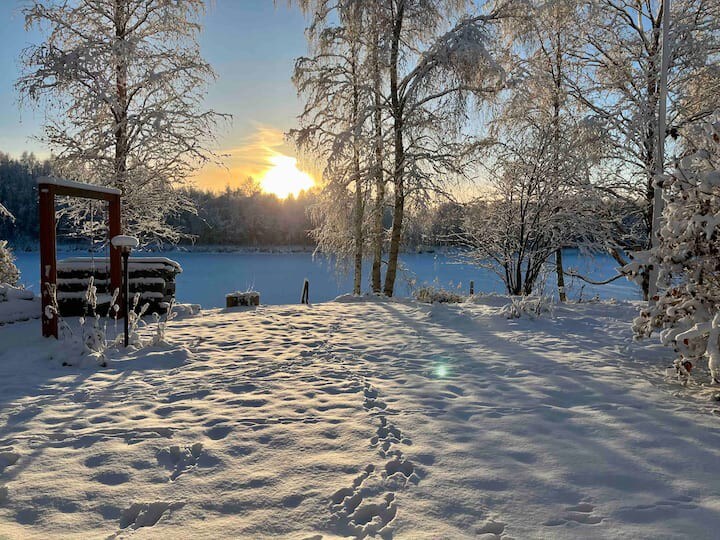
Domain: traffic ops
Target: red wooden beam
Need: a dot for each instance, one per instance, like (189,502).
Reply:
(49,188)
(48,260)
(69,188)
(115,228)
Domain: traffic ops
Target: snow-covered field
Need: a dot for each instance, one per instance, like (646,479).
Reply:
(352,418)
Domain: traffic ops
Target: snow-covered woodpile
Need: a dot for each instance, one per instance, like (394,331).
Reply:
(153,278)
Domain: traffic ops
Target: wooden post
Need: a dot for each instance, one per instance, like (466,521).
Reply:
(472,288)
(305,298)
(48,261)
(126,295)
(115,229)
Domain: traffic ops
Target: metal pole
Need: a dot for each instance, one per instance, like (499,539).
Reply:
(658,201)
(126,293)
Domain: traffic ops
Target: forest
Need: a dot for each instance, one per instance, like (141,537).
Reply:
(242,216)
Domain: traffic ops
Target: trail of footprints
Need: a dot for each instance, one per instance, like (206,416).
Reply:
(368,507)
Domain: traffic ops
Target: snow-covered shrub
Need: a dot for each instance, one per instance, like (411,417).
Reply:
(533,307)
(94,336)
(8,293)
(435,294)
(687,312)
(135,316)
(8,271)
(185,310)
(161,321)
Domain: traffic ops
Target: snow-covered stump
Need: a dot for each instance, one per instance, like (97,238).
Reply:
(238,299)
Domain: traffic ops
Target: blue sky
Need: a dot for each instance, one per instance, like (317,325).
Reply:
(251,44)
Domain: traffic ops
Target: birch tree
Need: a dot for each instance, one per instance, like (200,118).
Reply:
(377,69)
(432,71)
(333,126)
(122,82)
(544,45)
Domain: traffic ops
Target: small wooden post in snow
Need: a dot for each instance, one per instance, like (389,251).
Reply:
(305,298)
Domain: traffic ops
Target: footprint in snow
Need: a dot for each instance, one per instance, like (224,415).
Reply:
(580,513)
(360,511)
(491,530)
(145,514)
(659,511)
(8,457)
(181,460)
(111,478)
(219,432)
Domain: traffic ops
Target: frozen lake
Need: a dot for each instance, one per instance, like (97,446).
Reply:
(207,277)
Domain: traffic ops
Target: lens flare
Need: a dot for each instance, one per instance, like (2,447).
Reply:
(442,371)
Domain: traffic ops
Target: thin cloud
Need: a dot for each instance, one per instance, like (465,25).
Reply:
(252,157)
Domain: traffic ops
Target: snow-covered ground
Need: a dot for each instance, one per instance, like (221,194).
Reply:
(18,304)
(358,417)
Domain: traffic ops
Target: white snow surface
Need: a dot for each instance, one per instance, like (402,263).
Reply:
(53,180)
(135,263)
(358,417)
(17,305)
(123,240)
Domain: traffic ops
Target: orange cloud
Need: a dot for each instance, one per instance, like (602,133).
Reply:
(254,156)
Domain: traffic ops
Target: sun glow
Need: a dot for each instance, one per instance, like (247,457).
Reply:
(284,178)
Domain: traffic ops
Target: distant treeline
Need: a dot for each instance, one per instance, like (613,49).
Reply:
(18,193)
(245,216)
(242,216)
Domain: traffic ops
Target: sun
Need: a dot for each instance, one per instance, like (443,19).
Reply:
(284,178)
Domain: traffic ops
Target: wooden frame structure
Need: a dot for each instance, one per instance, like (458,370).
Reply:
(48,189)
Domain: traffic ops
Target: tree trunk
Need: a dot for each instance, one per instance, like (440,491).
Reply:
(359,197)
(395,239)
(120,111)
(359,212)
(399,165)
(652,86)
(357,281)
(556,158)
(560,275)
(378,210)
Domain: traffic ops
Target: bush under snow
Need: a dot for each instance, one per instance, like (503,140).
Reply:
(687,312)
(8,271)
(430,295)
